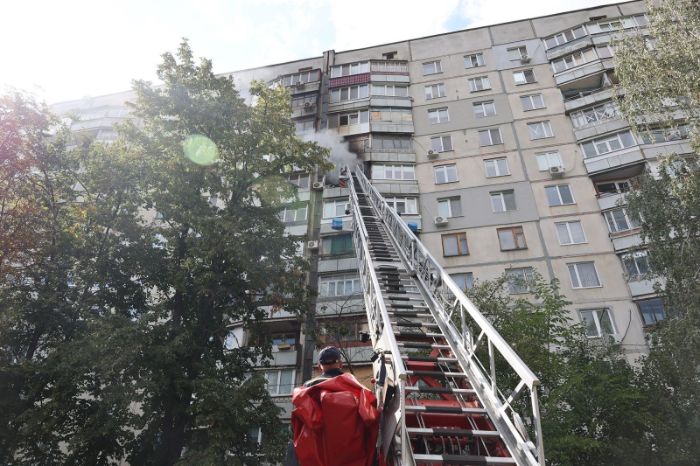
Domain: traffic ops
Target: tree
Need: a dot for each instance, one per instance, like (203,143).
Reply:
(145,376)
(660,83)
(592,411)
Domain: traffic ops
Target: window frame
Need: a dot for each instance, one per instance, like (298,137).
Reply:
(517,53)
(454,206)
(531,98)
(411,204)
(461,241)
(501,196)
(468,278)
(653,311)
(278,384)
(595,144)
(634,258)
(442,145)
(437,113)
(445,168)
(569,230)
(525,73)
(343,202)
(349,89)
(538,156)
(481,79)
(534,127)
(480,61)
(517,237)
(431,88)
(328,241)
(405,169)
(437,67)
(497,172)
(609,216)
(596,322)
(324,282)
(559,195)
(520,280)
(490,133)
(575,273)
(484,109)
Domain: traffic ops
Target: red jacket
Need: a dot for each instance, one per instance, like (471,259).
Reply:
(335,423)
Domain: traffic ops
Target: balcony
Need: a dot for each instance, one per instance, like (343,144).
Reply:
(568,48)
(613,160)
(626,240)
(600,127)
(641,287)
(608,201)
(580,72)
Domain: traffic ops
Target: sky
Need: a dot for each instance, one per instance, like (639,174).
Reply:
(65,50)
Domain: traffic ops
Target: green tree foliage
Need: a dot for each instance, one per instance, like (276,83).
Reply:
(129,309)
(592,411)
(660,86)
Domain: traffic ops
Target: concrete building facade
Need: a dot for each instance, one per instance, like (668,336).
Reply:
(501,144)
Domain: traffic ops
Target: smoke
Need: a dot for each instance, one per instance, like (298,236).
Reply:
(340,154)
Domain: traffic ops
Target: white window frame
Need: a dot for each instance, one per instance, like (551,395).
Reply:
(438,115)
(435,91)
(352,69)
(406,171)
(517,53)
(359,115)
(291,214)
(466,277)
(596,316)
(446,171)
(474,60)
(570,240)
(389,90)
(490,133)
(300,180)
(362,91)
(604,145)
(573,60)
(526,277)
(441,143)
(410,204)
(559,196)
(633,259)
(565,37)
(575,275)
(342,203)
(552,158)
(479,83)
(592,115)
(498,201)
(326,282)
(612,221)
(484,109)
(436,66)
(497,168)
(278,377)
(450,207)
(535,102)
(520,77)
(540,130)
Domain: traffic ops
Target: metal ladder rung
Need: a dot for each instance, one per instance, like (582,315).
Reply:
(444,409)
(443,390)
(444,432)
(464,460)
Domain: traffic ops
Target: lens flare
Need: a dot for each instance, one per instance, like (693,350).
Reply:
(200,150)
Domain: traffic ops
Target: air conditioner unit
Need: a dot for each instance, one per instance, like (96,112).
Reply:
(317,186)
(440,221)
(556,171)
(312,245)
(300,85)
(432,154)
(308,105)
(524,59)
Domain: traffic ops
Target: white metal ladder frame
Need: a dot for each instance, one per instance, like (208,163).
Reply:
(446,301)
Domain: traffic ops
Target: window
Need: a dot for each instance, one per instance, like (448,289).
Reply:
(540,130)
(532,102)
(445,174)
(517,53)
(511,238)
(389,65)
(441,143)
(432,67)
(583,275)
(390,171)
(300,78)
(464,281)
(490,137)
(547,160)
(473,60)
(607,144)
(564,37)
(403,205)
(618,220)
(392,115)
(572,61)
(484,109)
(559,195)
(346,119)
(344,94)
(570,232)
(592,115)
(339,285)
(454,244)
(279,382)
(659,135)
(438,115)
(597,322)
(496,167)
(619,23)
(605,51)
(389,90)
(301,180)
(480,83)
(388,143)
(652,310)
(450,207)
(434,91)
(520,280)
(502,201)
(613,187)
(350,69)
(302,126)
(524,77)
(291,214)
(336,245)
(636,264)
(335,208)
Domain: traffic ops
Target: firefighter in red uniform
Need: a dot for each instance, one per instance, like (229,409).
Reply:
(335,419)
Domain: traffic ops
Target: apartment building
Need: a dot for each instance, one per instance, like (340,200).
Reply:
(501,146)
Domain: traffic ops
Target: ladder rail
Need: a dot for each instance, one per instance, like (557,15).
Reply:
(446,295)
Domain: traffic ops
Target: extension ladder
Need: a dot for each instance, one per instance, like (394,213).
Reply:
(441,366)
